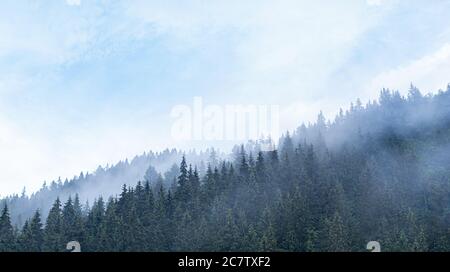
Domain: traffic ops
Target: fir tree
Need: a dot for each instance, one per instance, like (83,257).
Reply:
(53,233)
(7,238)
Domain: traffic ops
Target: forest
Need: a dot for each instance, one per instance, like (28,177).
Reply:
(105,181)
(377,172)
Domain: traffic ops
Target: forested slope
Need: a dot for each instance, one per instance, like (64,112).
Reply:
(105,181)
(378,172)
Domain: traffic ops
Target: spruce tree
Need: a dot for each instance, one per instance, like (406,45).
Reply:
(32,236)
(7,238)
(53,233)
(336,234)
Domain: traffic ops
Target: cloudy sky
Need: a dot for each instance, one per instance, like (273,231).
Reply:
(89,82)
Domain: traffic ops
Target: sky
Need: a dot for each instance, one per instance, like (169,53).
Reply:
(91,82)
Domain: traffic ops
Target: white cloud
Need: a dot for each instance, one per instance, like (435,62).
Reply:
(430,73)
(73,2)
(30,155)
(281,46)
(20,158)
(374,2)
(39,38)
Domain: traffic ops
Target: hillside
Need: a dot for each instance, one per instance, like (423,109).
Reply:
(105,181)
(377,172)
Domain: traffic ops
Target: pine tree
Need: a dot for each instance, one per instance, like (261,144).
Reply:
(7,238)
(243,166)
(228,237)
(337,239)
(94,227)
(53,229)
(182,192)
(110,235)
(210,186)
(268,241)
(32,236)
(261,175)
(71,223)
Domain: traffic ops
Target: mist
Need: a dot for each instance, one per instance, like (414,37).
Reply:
(378,171)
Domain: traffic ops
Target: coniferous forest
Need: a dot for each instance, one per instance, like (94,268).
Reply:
(377,172)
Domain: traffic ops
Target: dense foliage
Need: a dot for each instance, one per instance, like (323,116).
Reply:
(105,181)
(378,172)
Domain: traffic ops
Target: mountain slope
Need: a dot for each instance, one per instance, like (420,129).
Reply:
(105,181)
(378,172)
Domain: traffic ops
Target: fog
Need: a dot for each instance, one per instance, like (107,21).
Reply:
(107,181)
(389,121)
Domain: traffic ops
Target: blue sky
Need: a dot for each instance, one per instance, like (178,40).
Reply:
(84,83)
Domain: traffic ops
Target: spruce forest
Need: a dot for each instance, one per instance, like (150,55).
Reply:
(377,172)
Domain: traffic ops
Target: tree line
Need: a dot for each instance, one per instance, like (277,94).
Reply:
(318,191)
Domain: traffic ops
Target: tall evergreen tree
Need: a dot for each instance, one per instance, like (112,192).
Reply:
(7,238)
(53,233)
